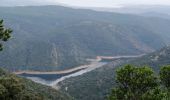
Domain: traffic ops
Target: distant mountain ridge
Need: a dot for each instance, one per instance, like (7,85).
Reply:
(136,9)
(160,11)
(57,38)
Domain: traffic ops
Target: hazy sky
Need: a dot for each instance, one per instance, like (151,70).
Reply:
(111,3)
(95,3)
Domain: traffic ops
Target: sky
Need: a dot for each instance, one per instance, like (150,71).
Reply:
(84,3)
(110,3)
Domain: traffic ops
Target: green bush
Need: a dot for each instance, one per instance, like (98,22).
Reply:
(140,83)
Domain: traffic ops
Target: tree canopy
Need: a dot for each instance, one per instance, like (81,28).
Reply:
(165,76)
(12,87)
(140,83)
(5,34)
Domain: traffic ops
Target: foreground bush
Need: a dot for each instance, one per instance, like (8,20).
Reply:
(140,83)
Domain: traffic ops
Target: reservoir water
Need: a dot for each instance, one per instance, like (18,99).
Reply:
(52,79)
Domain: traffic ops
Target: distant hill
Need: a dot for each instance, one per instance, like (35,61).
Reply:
(97,84)
(136,9)
(56,37)
(159,11)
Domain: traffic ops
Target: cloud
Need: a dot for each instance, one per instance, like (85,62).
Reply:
(114,2)
(98,3)
(26,2)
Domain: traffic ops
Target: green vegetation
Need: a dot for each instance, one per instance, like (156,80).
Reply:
(155,59)
(12,88)
(95,85)
(101,80)
(5,34)
(39,46)
(140,83)
(57,38)
(15,88)
(165,76)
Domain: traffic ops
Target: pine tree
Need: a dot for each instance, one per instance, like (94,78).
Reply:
(5,34)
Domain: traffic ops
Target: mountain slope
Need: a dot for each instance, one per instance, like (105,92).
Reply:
(20,88)
(57,38)
(155,59)
(97,84)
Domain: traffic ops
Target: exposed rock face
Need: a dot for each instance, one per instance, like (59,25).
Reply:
(54,55)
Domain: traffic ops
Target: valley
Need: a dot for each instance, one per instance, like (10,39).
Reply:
(63,37)
(74,53)
(99,81)
(54,77)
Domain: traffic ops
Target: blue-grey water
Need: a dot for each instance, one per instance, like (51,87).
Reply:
(54,79)
(48,77)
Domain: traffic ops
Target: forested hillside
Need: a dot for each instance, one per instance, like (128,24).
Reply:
(100,81)
(55,37)
(16,88)
(156,59)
